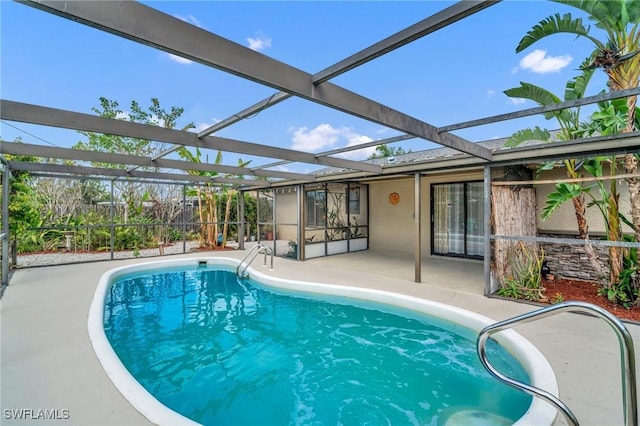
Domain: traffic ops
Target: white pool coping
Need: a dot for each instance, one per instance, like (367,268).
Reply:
(532,360)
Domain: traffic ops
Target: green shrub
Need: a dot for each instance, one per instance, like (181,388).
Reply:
(525,279)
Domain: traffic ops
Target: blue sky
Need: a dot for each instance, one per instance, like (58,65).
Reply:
(456,74)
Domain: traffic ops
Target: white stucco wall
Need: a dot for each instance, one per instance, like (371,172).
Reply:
(392,226)
(286,214)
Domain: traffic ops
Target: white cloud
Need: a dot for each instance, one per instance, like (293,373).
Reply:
(383,131)
(490,93)
(517,101)
(153,119)
(360,154)
(202,126)
(284,168)
(179,59)
(259,43)
(539,62)
(191,20)
(325,137)
(322,137)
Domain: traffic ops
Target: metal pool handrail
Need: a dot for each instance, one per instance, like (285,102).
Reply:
(241,270)
(627,357)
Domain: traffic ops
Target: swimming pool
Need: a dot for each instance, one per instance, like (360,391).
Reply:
(240,364)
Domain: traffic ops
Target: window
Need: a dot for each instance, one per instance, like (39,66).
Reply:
(316,201)
(354,200)
(458,219)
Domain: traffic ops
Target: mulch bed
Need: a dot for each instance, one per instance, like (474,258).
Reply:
(585,291)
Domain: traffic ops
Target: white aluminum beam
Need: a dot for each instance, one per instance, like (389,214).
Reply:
(274,164)
(345,149)
(420,29)
(366,145)
(42,151)
(543,109)
(97,171)
(577,148)
(34,114)
(153,28)
(272,100)
(431,24)
(581,148)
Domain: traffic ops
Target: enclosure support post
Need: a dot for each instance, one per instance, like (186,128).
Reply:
(274,222)
(299,215)
(241,232)
(417,223)
(487,230)
(184,218)
(5,227)
(326,222)
(112,228)
(258,215)
(348,203)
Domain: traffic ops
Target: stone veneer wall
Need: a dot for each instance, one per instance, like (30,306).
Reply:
(570,261)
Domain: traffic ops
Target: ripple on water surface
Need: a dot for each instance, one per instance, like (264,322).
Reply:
(221,351)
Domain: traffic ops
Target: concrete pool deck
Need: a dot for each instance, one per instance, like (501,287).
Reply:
(47,362)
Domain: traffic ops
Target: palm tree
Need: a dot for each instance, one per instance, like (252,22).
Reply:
(617,55)
(569,122)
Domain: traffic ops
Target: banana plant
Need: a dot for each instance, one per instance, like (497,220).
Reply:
(568,121)
(230,193)
(207,198)
(611,118)
(616,51)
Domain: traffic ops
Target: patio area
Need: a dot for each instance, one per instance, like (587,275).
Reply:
(48,363)
(298,172)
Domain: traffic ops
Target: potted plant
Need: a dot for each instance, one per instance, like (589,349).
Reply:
(268,232)
(293,249)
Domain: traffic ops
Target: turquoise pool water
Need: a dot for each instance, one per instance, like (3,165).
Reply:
(220,351)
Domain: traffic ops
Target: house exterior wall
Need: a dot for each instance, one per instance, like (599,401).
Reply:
(287,214)
(391,226)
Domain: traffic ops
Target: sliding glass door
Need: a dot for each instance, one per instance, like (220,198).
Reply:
(458,219)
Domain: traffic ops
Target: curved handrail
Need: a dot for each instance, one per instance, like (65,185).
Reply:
(241,269)
(627,357)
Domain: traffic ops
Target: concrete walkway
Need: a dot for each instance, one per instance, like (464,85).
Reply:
(47,361)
